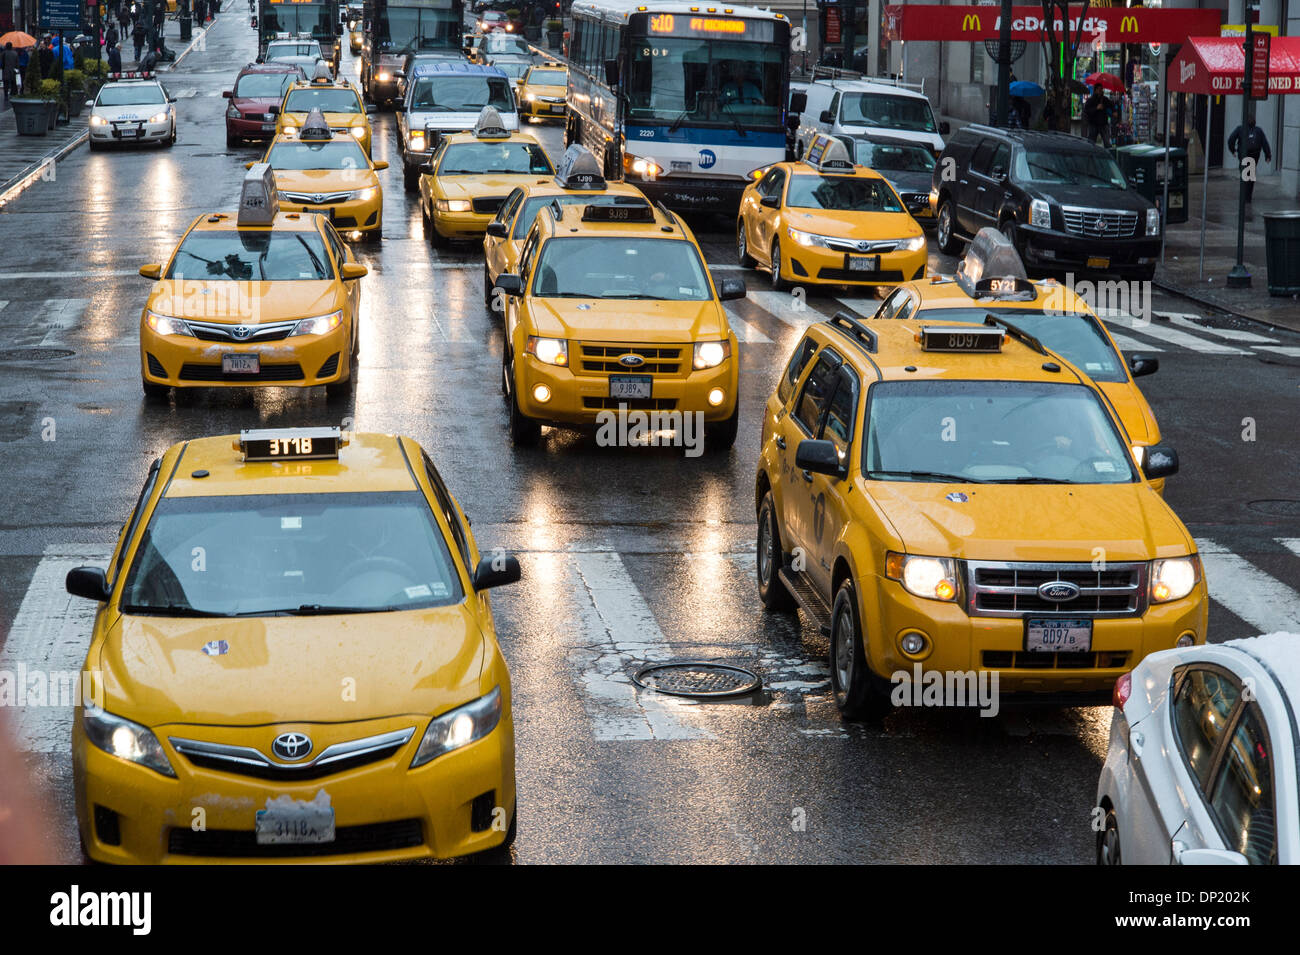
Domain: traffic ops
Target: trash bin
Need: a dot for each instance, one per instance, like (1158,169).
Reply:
(187,29)
(1144,168)
(1282,251)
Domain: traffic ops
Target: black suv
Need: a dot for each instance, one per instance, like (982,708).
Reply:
(1062,201)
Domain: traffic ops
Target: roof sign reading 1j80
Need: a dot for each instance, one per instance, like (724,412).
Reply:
(271,444)
(949,338)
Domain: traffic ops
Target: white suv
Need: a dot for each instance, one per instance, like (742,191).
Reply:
(860,107)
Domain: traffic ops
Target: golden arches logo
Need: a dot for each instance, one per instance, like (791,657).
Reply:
(970,21)
(1128,24)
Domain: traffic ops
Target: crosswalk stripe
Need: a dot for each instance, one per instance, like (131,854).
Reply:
(1171,335)
(1290,543)
(1127,344)
(1233,334)
(745,332)
(795,311)
(1262,601)
(1290,351)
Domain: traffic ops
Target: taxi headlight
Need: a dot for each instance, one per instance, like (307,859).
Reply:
(551,351)
(531,97)
(358,132)
(126,740)
(711,354)
(366,194)
(417,142)
(460,727)
(453,205)
(318,325)
(1040,214)
(101,121)
(934,578)
(383,76)
(166,325)
(1153,222)
(808,238)
(915,244)
(1173,578)
(159,117)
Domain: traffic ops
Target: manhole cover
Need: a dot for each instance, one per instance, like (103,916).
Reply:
(34,354)
(698,679)
(1277,508)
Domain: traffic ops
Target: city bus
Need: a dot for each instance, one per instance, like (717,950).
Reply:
(394,28)
(684,101)
(319,18)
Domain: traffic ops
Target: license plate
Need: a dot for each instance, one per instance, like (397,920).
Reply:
(240,364)
(1098,262)
(128,133)
(923,213)
(630,386)
(1065,635)
(864,263)
(268,127)
(296,824)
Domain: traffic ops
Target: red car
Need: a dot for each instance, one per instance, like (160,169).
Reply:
(494,20)
(258,87)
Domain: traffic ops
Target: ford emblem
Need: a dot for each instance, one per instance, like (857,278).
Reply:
(1058,591)
(631,361)
(291,746)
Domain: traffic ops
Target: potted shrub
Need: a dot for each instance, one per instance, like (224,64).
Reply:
(554,34)
(31,113)
(74,83)
(52,93)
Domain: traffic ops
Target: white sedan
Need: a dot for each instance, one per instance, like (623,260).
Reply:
(133,109)
(1202,762)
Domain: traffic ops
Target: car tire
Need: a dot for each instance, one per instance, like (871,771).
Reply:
(1146,273)
(771,591)
(742,246)
(945,229)
(232,141)
(487,290)
(410,178)
(94,146)
(856,689)
(154,392)
(778,284)
(1108,852)
(524,431)
(720,436)
(170,141)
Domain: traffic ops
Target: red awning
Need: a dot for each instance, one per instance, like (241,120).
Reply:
(1215,65)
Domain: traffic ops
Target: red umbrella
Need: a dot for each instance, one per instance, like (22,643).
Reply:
(18,38)
(1107,81)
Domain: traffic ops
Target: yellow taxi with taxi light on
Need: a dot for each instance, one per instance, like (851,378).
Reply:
(321,172)
(991,280)
(825,221)
(578,181)
(956,500)
(470,174)
(339,102)
(543,90)
(294,646)
(264,297)
(614,311)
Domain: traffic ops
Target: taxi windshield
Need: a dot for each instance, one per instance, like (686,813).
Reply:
(254,255)
(472,159)
(264,85)
(595,267)
(130,94)
(890,157)
(337,154)
(453,93)
(1075,336)
(548,77)
(291,554)
(841,194)
(1003,432)
(325,100)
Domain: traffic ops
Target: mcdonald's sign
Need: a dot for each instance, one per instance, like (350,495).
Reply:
(1129,24)
(966,22)
(970,21)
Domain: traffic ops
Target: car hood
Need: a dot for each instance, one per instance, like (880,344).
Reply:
(245,303)
(1089,197)
(470,187)
(536,90)
(259,104)
(1032,522)
(1131,406)
(907,181)
(859,225)
(137,111)
(628,320)
(262,670)
(455,122)
(324,180)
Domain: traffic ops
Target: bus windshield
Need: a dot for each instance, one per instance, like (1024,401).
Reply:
(313,18)
(718,82)
(407,29)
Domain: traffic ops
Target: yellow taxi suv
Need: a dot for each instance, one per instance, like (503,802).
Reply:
(991,280)
(958,502)
(613,309)
(294,658)
(267,297)
(578,181)
(543,90)
(338,101)
(825,221)
(470,174)
(319,172)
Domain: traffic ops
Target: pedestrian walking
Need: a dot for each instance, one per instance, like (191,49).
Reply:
(1096,113)
(1249,140)
(9,63)
(137,37)
(45,58)
(114,59)
(112,38)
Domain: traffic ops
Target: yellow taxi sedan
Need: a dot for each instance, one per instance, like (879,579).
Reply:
(542,92)
(470,174)
(294,658)
(338,101)
(825,221)
(331,175)
(266,297)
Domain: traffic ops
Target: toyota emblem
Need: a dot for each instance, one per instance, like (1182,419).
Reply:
(319,197)
(241,331)
(291,746)
(631,361)
(1058,591)
(863,245)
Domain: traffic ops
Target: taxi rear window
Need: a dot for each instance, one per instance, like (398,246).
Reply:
(327,101)
(841,193)
(340,154)
(471,159)
(548,77)
(251,256)
(1075,336)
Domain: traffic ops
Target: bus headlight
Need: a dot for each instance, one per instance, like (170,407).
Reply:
(1174,578)
(383,76)
(550,351)
(934,578)
(711,354)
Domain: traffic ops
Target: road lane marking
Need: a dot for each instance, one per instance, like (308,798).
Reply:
(745,332)
(1232,334)
(782,307)
(1127,344)
(1290,543)
(91,274)
(1289,351)
(1171,335)
(1262,601)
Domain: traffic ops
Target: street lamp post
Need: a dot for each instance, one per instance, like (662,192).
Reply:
(1239,277)
(1004,64)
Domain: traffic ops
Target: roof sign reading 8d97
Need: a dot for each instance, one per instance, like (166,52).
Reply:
(61,15)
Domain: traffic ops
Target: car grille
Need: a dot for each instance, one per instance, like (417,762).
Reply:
(655,360)
(854,275)
(192,371)
(631,404)
(1021,660)
(1099,223)
(551,99)
(1011,589)
(241,843)
(316,198)
(916,200)
(218,332)
(862,245)
(489,205)
(248,761)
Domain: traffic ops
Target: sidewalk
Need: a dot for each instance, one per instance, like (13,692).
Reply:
(25,159)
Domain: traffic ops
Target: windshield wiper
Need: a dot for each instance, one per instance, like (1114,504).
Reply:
(1034,479)
(171,610)
(934,475)
(308,610)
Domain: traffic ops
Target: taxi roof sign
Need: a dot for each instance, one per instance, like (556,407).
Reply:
(578,169)
(321,74)
(828,154)
(314,127)
(632,210)
(993,268)
(290,444)
(489,125)
(960,338)
(258,200)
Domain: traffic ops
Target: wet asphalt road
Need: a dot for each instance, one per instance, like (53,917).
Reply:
(641,553)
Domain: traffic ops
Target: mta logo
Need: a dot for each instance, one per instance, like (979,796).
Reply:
(707,158)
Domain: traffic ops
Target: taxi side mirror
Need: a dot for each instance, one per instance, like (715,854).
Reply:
(819,457)
(730,289)
(1159,461)
(380,164)
(273,110)
(425,167)
(497,230)
(227,93)
(495,572)
(352,270)
(151,271)
(88,582)
(772,202)
(1141,365)
(90,104)
(510,283)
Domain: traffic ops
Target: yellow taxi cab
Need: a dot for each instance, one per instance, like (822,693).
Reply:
(265,298)
(356,38)
(330,174)
(614,310)
(578,181)
(338,100)
(957,502)
(470,174)
(991,280)
(824,220)
(294,659)
(543,90)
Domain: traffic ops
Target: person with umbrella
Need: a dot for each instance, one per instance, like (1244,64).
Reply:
(9,65)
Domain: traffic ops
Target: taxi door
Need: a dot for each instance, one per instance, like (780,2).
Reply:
(804,422)
(828,494)
(766,220)
(494,249)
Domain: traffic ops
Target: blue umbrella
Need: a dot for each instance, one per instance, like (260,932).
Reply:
(1026,88)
